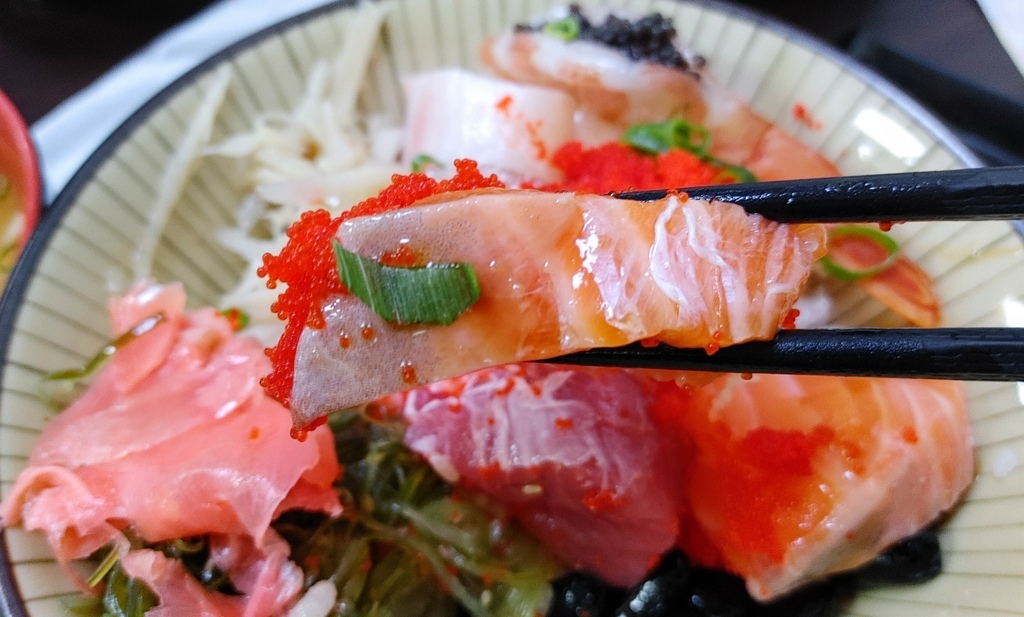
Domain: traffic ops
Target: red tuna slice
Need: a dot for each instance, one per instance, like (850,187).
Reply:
(191,447)
(571,452)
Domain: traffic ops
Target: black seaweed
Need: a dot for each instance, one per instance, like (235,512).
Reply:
(650,38)
(663,593)
(578,594)
(911,561)
(675,588)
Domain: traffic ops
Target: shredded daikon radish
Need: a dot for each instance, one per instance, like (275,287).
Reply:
(322,154)
(179,168)
(317,602)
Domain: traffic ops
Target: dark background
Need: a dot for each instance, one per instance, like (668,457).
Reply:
(942,51)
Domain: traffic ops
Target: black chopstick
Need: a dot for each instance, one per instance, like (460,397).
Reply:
(973,354)
(992,193)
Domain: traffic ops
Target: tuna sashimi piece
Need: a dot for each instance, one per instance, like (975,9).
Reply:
(508,128)
(572,453)
(791,478)
(558,272)
(174,438)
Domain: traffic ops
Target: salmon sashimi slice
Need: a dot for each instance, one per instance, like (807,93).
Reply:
(558,272)
(572,453)
(787,479)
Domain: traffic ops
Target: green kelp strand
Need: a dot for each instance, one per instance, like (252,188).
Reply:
(417,546)
(125,596)
(404,546)
(566,29)
(433,294)
(102,570)
(463,540)
(60,384)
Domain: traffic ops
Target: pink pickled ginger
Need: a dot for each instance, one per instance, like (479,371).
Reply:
(176,438)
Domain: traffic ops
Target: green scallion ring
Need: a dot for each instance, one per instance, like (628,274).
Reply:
(881,238)
(567,29)
(421,161)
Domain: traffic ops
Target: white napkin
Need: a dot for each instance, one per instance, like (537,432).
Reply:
(1007,20)
(70,133)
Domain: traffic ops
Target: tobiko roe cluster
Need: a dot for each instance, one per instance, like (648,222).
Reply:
(306,265)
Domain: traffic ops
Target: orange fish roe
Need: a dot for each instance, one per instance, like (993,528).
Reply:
(563,424)
(409,373)
(615,167)
(600,501)
(306,265)
(300,433)
(713,347)
(789,321)
(504,104)
(402,257)
(764,490)
(804,116)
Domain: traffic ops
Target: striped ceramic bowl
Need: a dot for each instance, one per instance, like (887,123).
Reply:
(54,313)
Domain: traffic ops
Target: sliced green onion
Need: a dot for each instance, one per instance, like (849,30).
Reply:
(659,137)
(883,240)
(421,161)
(737,172)
(431,294)
(567,28)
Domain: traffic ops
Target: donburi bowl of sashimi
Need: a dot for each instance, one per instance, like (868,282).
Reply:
(210,405)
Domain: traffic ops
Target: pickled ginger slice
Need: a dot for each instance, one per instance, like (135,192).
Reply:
(174,438)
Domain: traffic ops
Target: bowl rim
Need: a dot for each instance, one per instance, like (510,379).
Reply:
(11,302)
(30,171)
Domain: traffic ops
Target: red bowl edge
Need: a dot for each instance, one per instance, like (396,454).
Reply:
(29,169)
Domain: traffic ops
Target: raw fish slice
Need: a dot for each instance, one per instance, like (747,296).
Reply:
(615,92)
(557,273)
(572,453)
(791,478)
(507,128)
